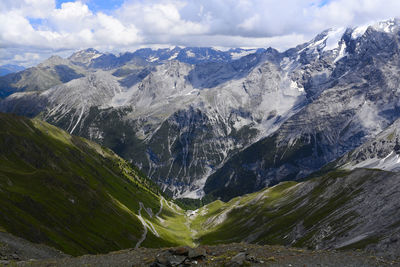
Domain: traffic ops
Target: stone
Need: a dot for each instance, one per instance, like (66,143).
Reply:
(168,259)
(180,251)
(208,250)
(238,260)
(187,262)
(197,253)
(176,259)
(163,258)
(251,258)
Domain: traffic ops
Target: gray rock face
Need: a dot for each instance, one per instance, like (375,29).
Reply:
(359,99)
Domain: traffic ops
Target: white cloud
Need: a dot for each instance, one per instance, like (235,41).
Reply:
(160,18)
(26,57)
(355,12)
(28,8)
(38,25)
(111,30)
(71,17)
(16,29)
(73,26)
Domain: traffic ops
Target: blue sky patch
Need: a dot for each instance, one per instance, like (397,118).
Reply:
(97,5)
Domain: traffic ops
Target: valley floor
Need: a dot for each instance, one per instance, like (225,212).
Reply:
(224,255)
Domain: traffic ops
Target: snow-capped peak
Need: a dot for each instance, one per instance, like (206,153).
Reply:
(388,26)
(85,56)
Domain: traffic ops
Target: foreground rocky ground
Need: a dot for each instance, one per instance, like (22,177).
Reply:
(14,249)
(221,255)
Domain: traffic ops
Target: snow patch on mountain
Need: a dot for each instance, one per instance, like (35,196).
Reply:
(359,31)
(342,52)
(388,26)
(237,55)
(333,38)
(152,59)
(190,54)
(174,56)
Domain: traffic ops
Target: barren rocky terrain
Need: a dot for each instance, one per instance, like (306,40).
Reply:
(221,255)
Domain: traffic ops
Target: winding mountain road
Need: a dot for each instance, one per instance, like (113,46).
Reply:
(144,226)
(147,226)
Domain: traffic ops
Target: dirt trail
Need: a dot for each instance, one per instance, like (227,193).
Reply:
(161,207)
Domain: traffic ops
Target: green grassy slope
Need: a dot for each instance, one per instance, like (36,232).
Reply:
(72,194)
(340,209)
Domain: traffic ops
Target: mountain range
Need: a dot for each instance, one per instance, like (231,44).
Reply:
(199,121)
(157,105)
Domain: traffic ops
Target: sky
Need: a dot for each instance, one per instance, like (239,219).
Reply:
(33,30)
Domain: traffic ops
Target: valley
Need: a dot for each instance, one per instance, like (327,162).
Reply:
(333,211)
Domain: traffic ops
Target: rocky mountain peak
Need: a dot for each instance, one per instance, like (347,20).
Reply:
(84,57)
(387,26)
(53,61)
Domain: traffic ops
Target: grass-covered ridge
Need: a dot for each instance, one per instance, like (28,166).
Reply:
(340,209)
(75,195)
